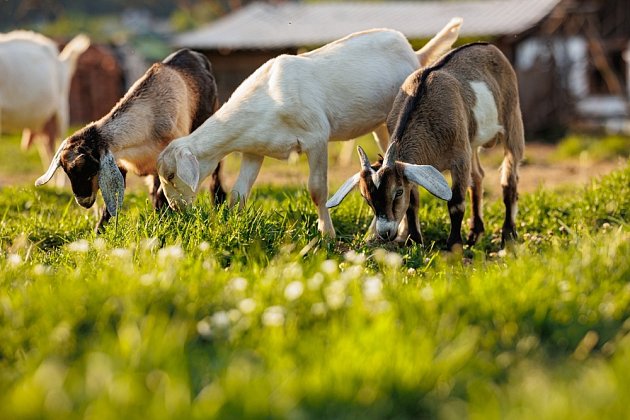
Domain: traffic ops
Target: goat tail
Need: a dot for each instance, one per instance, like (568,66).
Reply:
(513,148)
(71,52)
(440,43)
(216,188)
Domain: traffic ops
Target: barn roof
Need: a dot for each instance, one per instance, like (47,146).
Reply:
(262,25)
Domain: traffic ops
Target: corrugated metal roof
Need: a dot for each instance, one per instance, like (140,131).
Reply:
(262,25)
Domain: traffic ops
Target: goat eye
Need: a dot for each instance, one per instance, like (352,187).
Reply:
(170,177)
(399,193)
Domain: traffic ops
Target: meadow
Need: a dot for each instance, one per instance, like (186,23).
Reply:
(213,313)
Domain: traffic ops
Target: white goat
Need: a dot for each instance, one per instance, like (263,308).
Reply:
(34,86)
(298,104)
(442,115)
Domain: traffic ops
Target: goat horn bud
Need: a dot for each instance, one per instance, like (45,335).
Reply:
(365,162)
(391,155)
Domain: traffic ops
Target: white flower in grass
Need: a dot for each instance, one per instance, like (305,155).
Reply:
(372,287)
(99,244)
(14,260)
(273,316)
(351,273)
(81,246)
(315,282)
(238,284)
(171,252)
(319,309)
(220,319)
(329,266)
(150,244)
(354,257)
(426,293)
(335,294)
(41,269)
(292,271)
(147,279)
(122,253)
(393,259)
(247,306)
(204,328)
(293,290)
(204,246)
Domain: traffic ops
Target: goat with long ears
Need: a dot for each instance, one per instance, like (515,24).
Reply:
(172,98)
(297,104)
(442,115)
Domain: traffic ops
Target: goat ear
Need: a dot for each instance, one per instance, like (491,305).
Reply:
(54,165)
(341,193)
(188,169)
(428,177)
(111,183)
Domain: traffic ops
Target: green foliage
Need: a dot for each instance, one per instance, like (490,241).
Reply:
(594,148)
(216,313)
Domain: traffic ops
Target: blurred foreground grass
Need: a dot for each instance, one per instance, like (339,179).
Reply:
(214,313)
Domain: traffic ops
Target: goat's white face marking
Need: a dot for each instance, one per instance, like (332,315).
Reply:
(486,114)
(376,179)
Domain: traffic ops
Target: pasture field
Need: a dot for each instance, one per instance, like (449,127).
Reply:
(216,313)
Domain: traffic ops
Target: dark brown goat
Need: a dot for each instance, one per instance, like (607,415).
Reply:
(170,100)
(441,116)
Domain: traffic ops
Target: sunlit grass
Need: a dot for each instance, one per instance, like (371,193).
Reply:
(216,313)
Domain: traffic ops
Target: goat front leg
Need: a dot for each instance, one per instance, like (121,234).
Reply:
(477,227)
(413,225)
(318,186)
(250,167)
(460,173)
(156,192)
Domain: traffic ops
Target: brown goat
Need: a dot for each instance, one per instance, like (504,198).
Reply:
(441,116)
(170,100)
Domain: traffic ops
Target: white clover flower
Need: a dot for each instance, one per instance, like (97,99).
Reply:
(234,315)
(14,260)
(393,259)
(41,269)
(238,284)
(122,253)
(354,257)
(81,246)
(319,309)
(292,271)
(147,279)
(427,293)
(379,255)
(294,290)
(220,319)
(171,252)
(335,294)
(411,271)
(204,328)
(273,316)
(351,273)
(329,266)
(150,244)
(99,244)
(315,282)
(247,306)
(204,246)
(372,287)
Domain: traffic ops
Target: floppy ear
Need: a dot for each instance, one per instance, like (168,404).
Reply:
(188,169)
(111,183)
(54,165)
(341,193)
(428,177)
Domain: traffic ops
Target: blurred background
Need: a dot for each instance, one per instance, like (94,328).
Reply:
(571,57)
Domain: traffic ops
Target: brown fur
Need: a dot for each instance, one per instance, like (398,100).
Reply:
(170,100)
(433,123)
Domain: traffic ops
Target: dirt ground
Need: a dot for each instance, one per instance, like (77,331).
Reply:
(539,169)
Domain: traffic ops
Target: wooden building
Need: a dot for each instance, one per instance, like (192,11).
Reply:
(568,54)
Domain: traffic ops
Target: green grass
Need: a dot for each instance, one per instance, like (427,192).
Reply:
(216,313)
(594,148)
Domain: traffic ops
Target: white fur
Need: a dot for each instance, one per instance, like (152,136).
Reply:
(35,84)
(486,114)
(298,103)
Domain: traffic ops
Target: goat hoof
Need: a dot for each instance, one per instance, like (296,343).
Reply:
(473,237)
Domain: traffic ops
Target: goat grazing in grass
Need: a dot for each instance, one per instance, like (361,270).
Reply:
(34,87)
(298,104)
(442,115)
(170,100)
